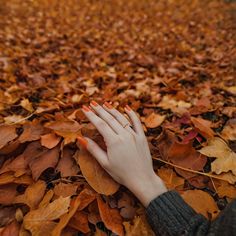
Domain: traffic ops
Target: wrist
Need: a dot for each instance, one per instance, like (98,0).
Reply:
(147,188)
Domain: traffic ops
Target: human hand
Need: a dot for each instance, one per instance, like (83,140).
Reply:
(128,159)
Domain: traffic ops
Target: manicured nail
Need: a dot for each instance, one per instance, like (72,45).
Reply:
(83,142)
(85,108)
(108,105)
(128,107)
(94,103)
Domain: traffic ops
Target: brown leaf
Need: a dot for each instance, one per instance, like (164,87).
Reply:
(110,217)
(10,230)
(69,130)
(67,165)
(201,202)
(40,221)
(65,190)
(96,176)
(33,194)
(79,221)
(50,140)
(32,131)
(8,133)
(7,215)
(46,160)
(7,193)
(203,127)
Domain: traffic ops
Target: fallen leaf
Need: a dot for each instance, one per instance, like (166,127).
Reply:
(65,190)
(154,120)
(110,217)
(40,221)
(138,227)
(67,165)
(225,157)
(25,103)
(170,178)
(229,131)
(96,176)
(8,133)
(69,129)
(201,202)
(46,160)
(32,195)
(75,205)
(50,140)
(8,193)
(10,230)
(79,221)
(32,131)
(203,127)
(7,215)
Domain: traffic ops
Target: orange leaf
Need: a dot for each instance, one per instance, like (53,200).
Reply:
(65,190)
(110,217)
(96,176)
(50,140)
(80,222)
(201,202)
(67,129)
(75,204)
(32,195)
(154,120)
(203,127)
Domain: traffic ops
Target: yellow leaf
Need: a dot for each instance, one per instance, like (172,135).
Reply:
(225,157)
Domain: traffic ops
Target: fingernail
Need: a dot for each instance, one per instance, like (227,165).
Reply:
(85,108)
(108,105)
(94,103)
(128,107)
(82,141)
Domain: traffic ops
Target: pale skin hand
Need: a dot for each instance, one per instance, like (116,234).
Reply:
(128,159)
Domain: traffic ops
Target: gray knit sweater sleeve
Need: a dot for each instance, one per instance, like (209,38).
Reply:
(170,215)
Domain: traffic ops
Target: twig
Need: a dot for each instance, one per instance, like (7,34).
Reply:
(189,170)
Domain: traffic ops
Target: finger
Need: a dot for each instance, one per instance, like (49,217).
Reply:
(104,129)
(120,117)
(135,120)
(109,119)
(99,154)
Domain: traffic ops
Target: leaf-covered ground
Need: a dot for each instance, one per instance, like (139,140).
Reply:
(172,61)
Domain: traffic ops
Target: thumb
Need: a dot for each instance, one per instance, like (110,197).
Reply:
(99,154)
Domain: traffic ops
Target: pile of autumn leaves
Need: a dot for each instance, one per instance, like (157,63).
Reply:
(34,203)
(77,196)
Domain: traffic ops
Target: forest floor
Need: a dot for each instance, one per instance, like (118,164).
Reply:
(173,62)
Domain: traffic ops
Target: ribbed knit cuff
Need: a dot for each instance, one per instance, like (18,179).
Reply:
(169,214)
